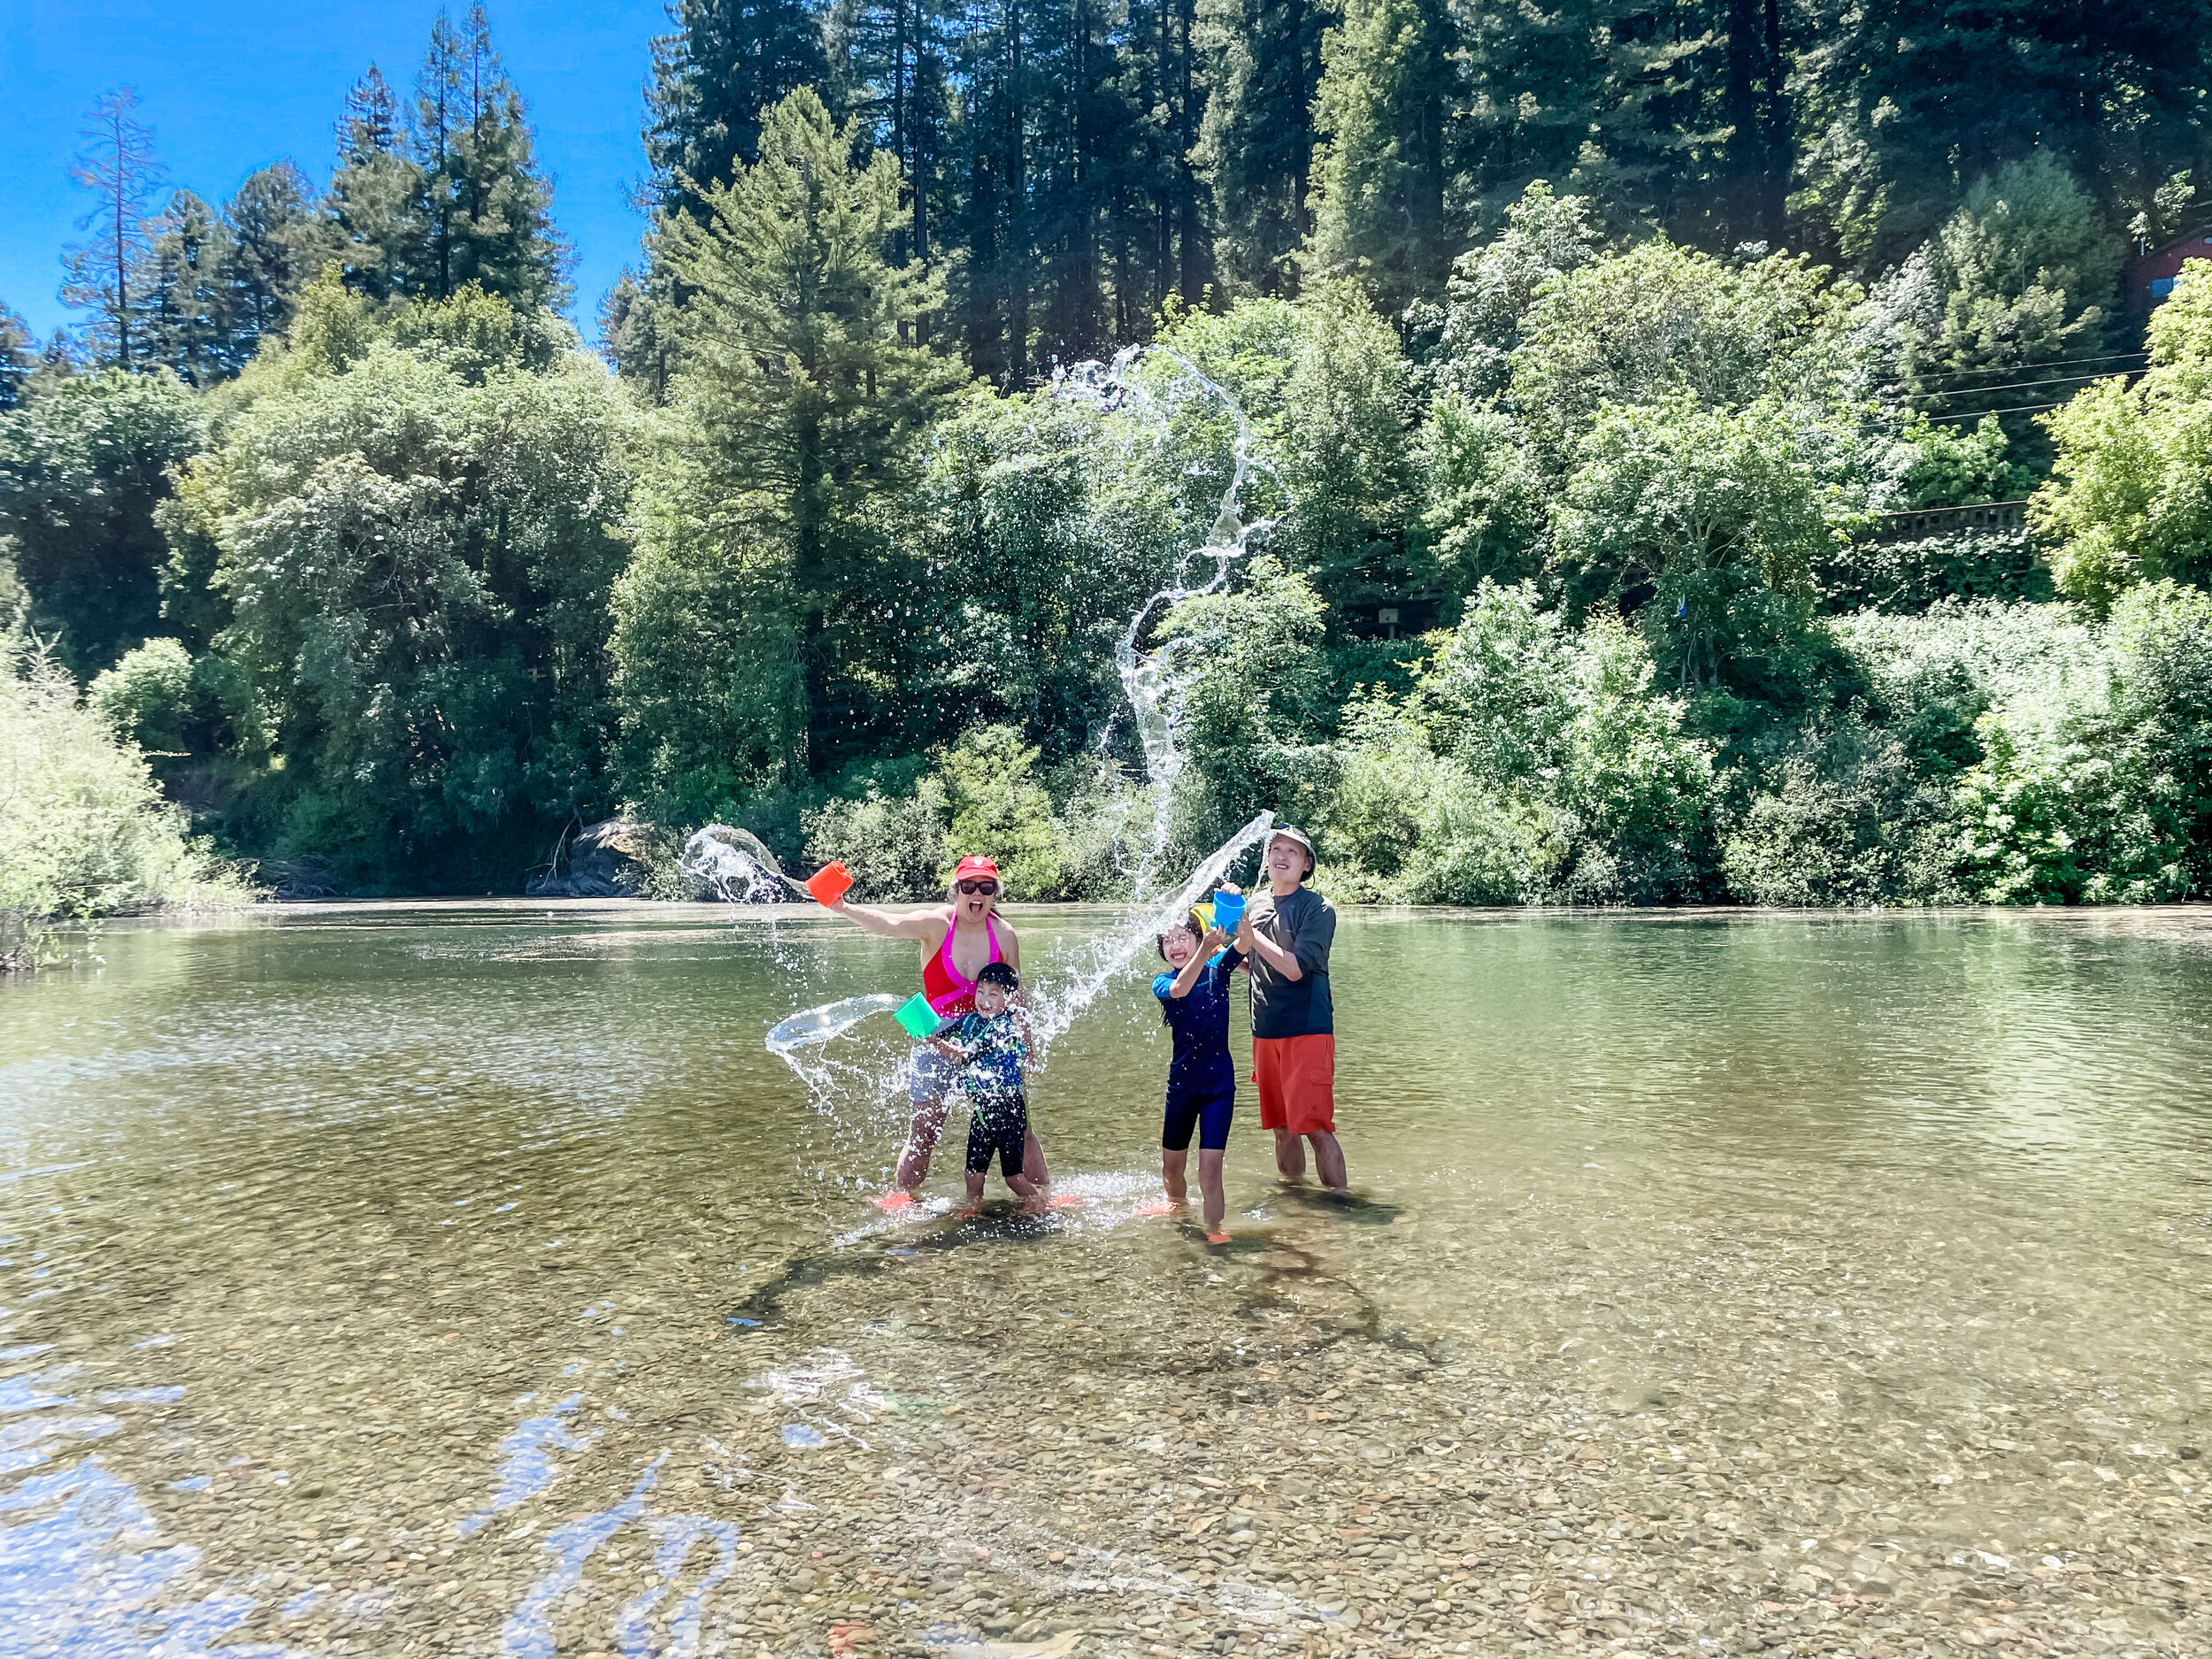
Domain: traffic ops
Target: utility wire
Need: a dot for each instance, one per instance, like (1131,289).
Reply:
(2015,386)
(2018,409)
(2057,363)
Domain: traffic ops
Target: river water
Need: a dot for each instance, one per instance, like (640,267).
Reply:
(392,1278)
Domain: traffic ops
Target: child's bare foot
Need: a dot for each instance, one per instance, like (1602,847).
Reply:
(1156,1206)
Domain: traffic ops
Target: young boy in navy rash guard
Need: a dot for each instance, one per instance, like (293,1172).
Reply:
(991,1045)
(1201,1080)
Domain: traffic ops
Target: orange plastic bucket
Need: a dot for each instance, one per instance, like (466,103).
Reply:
(830,883)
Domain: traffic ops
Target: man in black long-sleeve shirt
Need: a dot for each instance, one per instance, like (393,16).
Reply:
(1286,931)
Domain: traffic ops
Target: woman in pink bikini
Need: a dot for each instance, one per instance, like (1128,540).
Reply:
(957,941)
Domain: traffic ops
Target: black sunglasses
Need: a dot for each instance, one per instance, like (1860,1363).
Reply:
(989,889)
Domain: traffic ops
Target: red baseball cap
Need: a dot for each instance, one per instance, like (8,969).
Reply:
(974,867)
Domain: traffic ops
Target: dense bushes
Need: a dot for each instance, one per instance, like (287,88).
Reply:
(84,831)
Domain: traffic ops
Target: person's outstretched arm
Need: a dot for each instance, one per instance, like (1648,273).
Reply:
(923,924)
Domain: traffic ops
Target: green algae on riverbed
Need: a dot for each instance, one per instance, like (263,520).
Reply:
(472,1282)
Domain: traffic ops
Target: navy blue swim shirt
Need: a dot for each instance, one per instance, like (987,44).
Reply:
(1199,1021)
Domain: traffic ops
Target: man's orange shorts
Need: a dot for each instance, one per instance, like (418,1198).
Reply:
(1297,1082)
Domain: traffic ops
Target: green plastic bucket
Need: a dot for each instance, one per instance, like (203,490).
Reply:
(919,1019)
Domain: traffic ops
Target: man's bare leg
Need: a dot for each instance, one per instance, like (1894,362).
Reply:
(1328,1160)
(1290,1156)
(921,1141)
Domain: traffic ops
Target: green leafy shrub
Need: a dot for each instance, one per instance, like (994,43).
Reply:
(84,831)
(893,843)
(1908,577)
(1845,819)
(2096,786)
(148,697)
(2130,497)
(1953,465)
(1533,764)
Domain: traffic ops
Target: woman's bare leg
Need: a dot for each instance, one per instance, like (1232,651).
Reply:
(921,1141)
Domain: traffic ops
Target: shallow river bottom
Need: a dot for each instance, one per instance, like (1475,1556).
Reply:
(406,1279)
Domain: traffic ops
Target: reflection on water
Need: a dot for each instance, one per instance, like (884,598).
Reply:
(528,1468)
(474,1280)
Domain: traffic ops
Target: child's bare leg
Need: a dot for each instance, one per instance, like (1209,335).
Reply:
(1171,1165)
(1290,1156)
(1209,1184)
(975,1192)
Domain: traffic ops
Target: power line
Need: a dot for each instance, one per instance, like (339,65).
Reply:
(2018,409)
(2015,386)
(2056,362)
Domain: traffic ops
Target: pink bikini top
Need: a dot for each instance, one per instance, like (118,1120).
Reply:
(949,990)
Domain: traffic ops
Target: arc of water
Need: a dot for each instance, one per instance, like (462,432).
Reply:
(737,866)
(816,1025)
(1055,1011)
(1156,692)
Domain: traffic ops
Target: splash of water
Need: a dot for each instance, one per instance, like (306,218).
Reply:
(816,1025)
(737,866)
(1155,681)
(1055,1007)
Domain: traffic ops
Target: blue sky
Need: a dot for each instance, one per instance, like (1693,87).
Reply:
(231,85)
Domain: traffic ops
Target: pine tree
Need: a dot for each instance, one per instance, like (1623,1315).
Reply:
(1657,151)
(1257,145)
(118,166)
(374,207)
(1385,90)
(1916,99)
(183,311)
(994,225)
(798,348)
(274,246)
(19,356)
(725,63)
(889,70)
(1672,116)
(1757,109)
(484,208)
(637,335)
